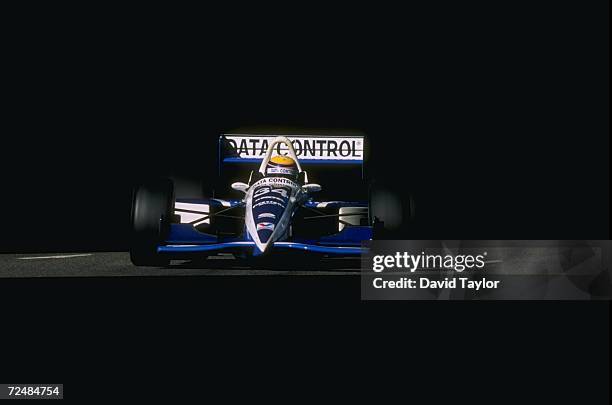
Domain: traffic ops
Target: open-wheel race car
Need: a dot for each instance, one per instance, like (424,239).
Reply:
(276,210)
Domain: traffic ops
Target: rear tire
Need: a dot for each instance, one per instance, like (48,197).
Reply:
(152,213)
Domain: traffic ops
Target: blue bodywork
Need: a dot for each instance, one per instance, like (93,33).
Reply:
(186,239)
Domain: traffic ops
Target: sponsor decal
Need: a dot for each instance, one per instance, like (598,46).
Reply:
(259,204)
(266,215)
(271,197)
(265,226)
(306,147)
(280,170)
(269,181)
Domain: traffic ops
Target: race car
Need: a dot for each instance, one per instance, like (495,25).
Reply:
(276,212)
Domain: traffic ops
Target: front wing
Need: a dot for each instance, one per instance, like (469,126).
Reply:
(185,240)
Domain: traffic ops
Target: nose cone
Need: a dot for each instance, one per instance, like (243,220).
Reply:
(264,235)
(267,203)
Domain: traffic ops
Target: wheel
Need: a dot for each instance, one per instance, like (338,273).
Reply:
(390,211)
(152,213)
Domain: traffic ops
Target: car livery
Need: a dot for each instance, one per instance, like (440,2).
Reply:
(274,214)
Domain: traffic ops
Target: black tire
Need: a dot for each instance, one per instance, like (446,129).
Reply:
(152,213)
(390,212)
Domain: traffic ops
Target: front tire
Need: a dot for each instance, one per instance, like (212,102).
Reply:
(152,213)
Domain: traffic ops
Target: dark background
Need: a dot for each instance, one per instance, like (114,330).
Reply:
(499,126)
(497,120)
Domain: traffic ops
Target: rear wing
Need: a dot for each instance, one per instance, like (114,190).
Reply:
(310,149)
(332,160)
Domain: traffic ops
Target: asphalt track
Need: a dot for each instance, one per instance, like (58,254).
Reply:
(113,264)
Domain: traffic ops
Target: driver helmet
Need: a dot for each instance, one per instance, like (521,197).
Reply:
(282,166)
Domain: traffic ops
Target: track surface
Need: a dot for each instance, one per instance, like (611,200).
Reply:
(112,264)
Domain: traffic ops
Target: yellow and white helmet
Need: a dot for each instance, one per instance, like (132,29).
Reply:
(282,166)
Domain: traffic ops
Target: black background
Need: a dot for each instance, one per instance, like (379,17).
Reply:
(496,119)
(499,126)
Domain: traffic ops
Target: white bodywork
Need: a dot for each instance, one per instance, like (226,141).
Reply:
(268,186)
